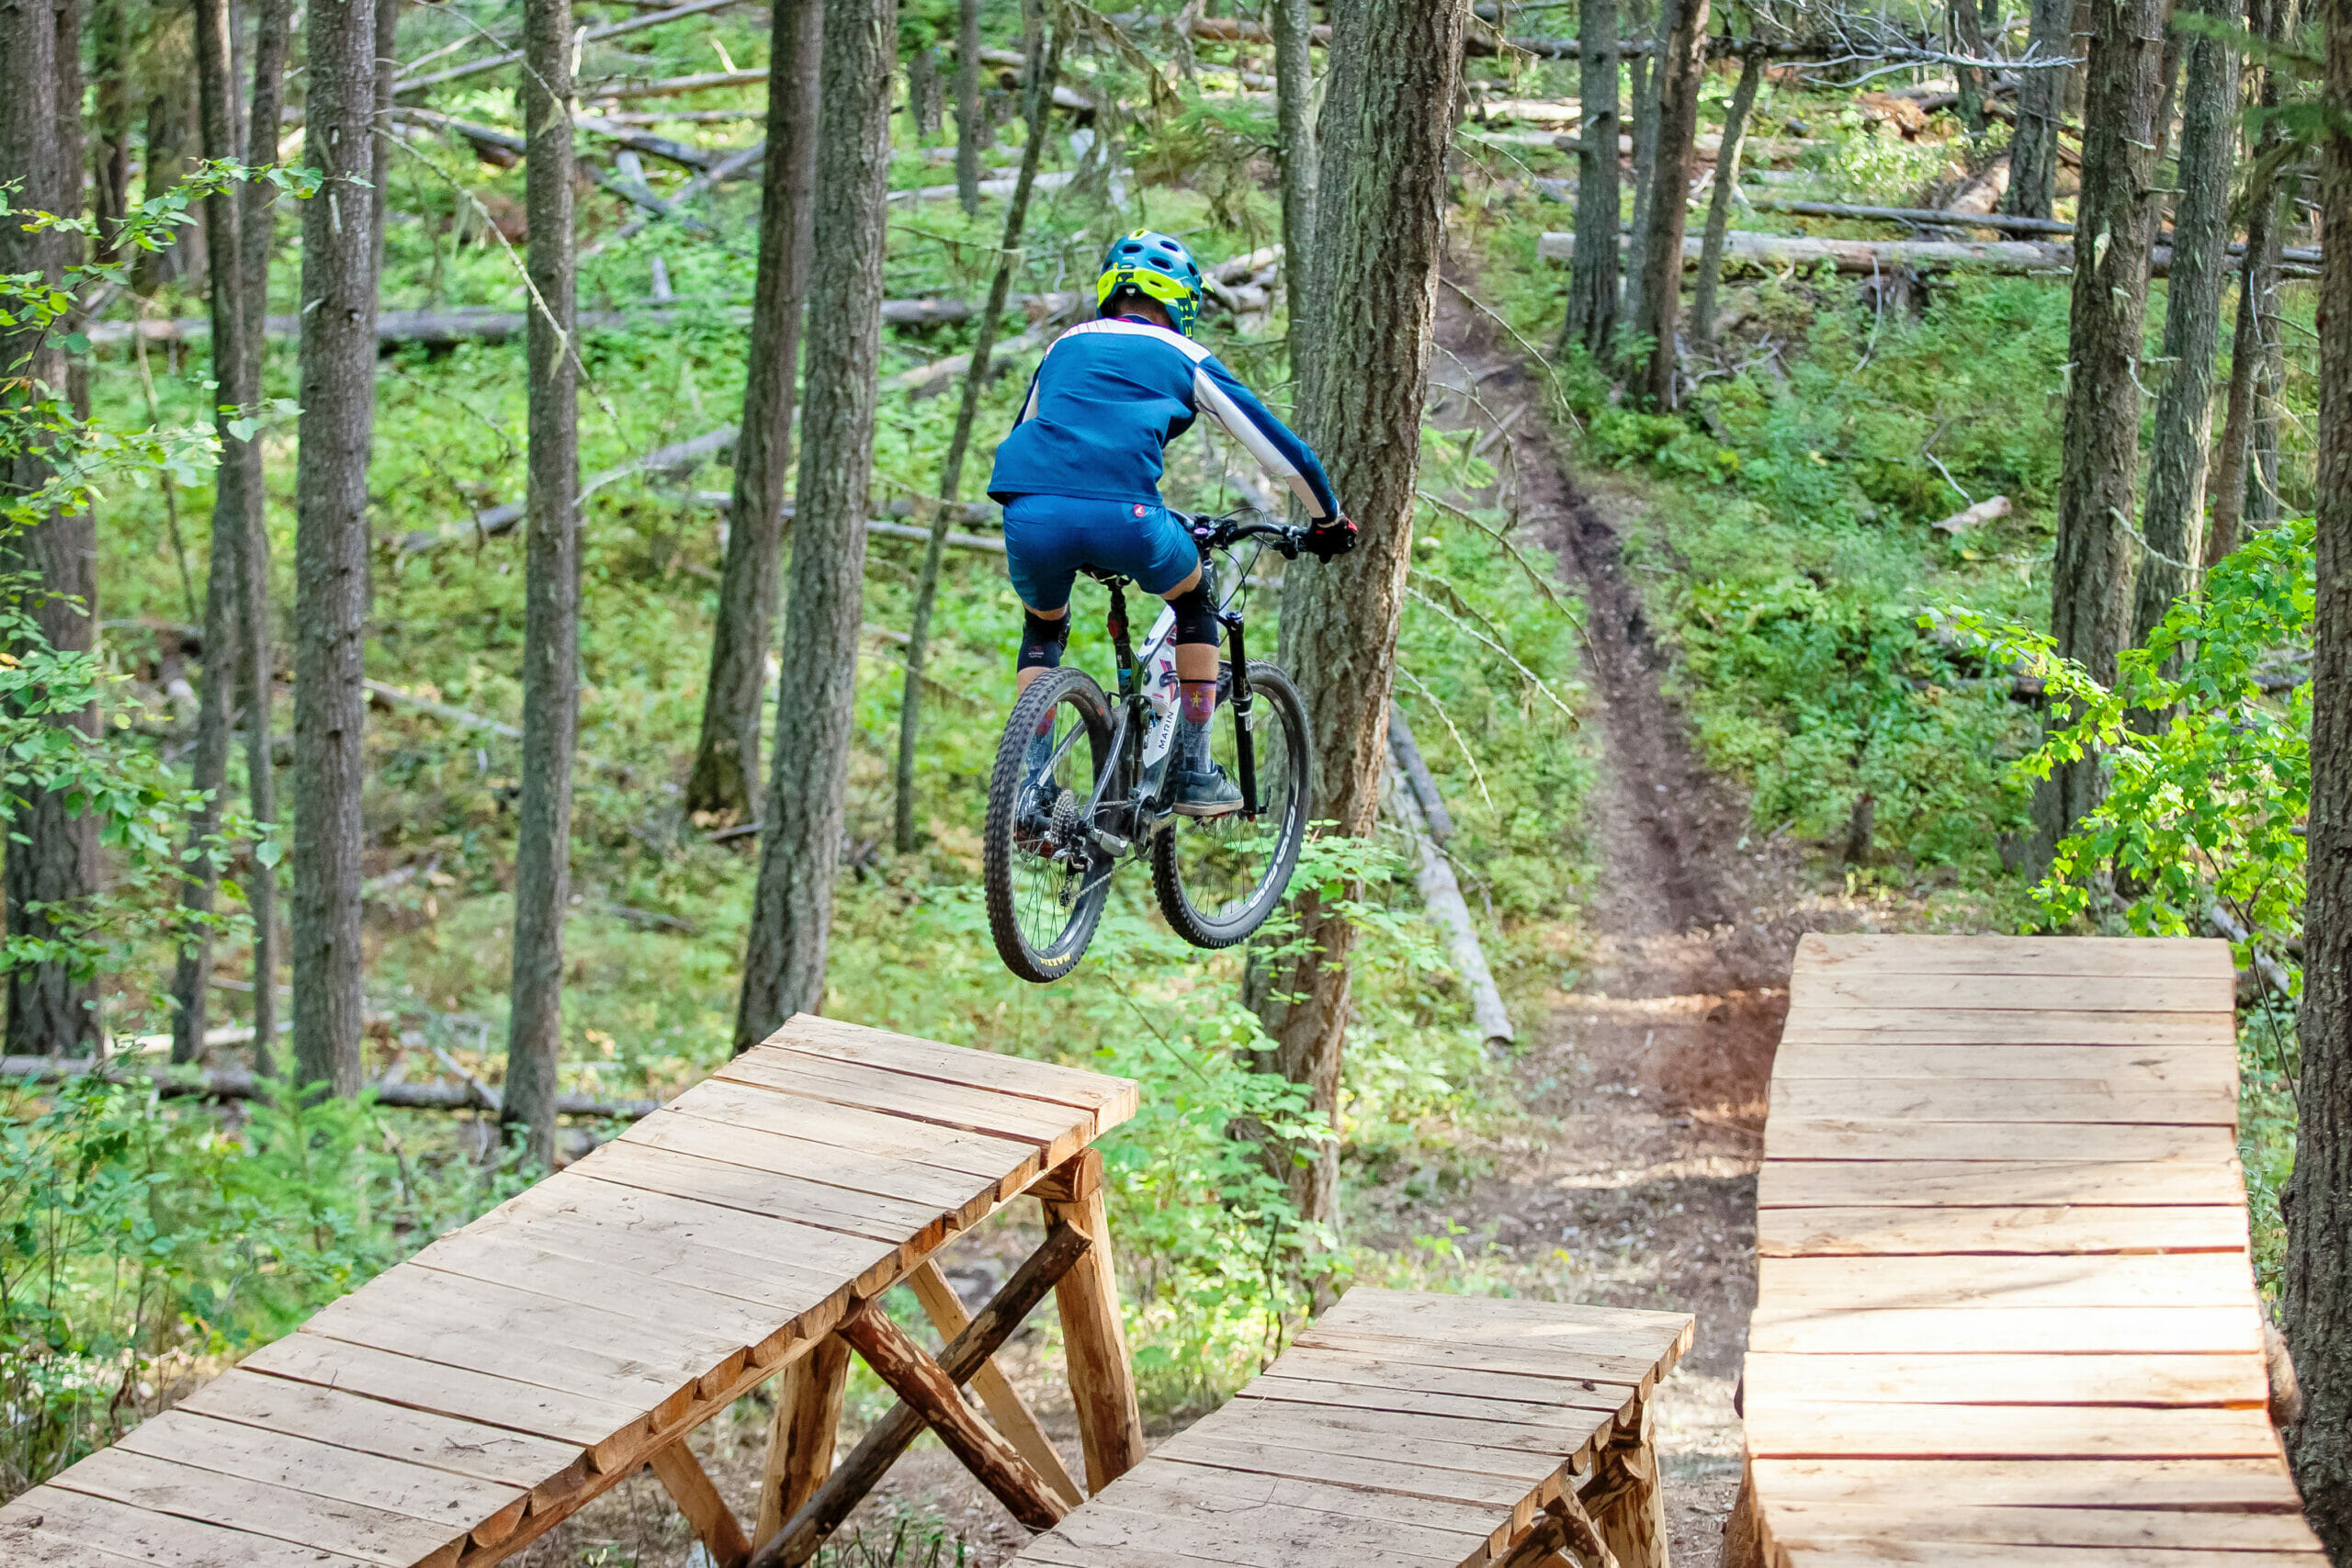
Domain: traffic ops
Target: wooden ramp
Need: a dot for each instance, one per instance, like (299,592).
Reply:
(2004,1310)
(464,1402)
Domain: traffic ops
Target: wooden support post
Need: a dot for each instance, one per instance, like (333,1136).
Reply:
(713,1523)
(1581,1535)
(1633,1520)
(1743,1540)
(1013,1418)
(915,1378)
(1102,1378)
(800,1443)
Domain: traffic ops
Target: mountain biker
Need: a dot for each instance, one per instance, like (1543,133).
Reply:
(1078,478)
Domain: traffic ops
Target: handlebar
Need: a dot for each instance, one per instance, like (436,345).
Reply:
(1216,533)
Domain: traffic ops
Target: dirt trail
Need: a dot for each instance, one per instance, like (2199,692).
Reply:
(1643,1090)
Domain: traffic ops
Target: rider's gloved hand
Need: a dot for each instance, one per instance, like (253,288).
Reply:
(1326,540)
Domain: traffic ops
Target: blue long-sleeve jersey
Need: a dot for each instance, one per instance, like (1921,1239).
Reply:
(1108,398)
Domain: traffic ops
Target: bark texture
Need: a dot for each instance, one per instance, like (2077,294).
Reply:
(551,594)
(256,226)
(338,399)
(727,757)
(50,1011)
(1041,66)
(1294,128)
(1592,271)
(971,131)
(1710,249)
(1644,81)
(1677,129)
(783,972)
(1388,121)
(224,585)
(2090,595)
(2033,151)
(1968,39)
(2201,234)
(2318,1273)
(2233,477)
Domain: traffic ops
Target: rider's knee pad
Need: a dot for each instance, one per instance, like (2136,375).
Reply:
(1195,616)
(1042,640)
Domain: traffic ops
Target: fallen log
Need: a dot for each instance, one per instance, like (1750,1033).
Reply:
(1440,892)
(1863,257)
(652,146)
(402,86)
(512,149)
(681,458)
(471,323)
(1055,181)
(1926,216)
(616,88)
(240,1083)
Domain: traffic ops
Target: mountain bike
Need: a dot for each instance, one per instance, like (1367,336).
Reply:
(1106,793)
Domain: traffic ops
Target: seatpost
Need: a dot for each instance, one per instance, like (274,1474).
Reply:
(1123,649)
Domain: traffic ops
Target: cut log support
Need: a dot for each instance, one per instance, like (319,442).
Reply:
(1101,1376)
(801,1442)
(1013,1416)
(682,1476)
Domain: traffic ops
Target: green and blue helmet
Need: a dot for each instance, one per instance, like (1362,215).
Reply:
(1155,266)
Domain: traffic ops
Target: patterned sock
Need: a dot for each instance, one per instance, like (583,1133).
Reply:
(1193,729)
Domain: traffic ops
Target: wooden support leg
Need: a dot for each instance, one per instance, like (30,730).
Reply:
(1579,1534)
(1013,1416)
(1632,1522)
(800,1443)
(914,1377)
(1743,1540)
(683,1477)
(1102,1378)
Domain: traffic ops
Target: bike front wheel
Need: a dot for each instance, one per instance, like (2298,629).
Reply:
(1045,877)
(1219,878)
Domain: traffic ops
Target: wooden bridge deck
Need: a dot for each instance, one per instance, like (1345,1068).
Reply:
(464,1402)
(2004,1311)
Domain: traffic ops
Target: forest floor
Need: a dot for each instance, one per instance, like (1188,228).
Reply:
(1622,1168)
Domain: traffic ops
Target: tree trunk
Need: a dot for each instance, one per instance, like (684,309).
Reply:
(1295,129)
(2318,1273)
(923,92)
(552,595)
(2257,298)
(727,757)
(2090,580)
(1968,39)
(1388,122)
(52,856)
(2264,504)
(2033,151)
(784,971)
(110,49)
(1592,274)
(1647,67)
(224,586)
(1710,249)
(163,162)
(256,225)
(1042,67)
(2200,237)
(1681,62)
(338,401)
(971,131)
(387,70)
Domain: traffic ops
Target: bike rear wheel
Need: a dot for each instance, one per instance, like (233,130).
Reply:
(1219,878)
(1045,877)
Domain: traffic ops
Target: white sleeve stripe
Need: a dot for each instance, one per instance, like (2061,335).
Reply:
(1228,413)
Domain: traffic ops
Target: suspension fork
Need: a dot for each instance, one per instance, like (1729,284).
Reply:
(1245,746)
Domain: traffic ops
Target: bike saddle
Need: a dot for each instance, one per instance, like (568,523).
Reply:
(1107,578)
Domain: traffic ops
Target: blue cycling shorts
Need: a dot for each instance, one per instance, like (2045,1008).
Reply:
(1048,537)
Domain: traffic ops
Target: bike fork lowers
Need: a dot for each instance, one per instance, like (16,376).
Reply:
(1245,749)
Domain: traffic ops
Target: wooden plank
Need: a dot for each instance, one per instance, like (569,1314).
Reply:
(36,1525)
(2001,991)
(604,1428)
(2172,1068)
(2000,1431)
(2012,1101)
(1835,1553)
(548,1470)
(2171,1529)
(1794,1233)
(1268,1539)
(2092,1143)
(1110,1101)
(1389,1434)
(1931,1378)
(1055,1132)
(456,1505)
(1403,1477)
(1503,1320)
(1005,1407)
(764,1100)
(2258,1485)
(1907,1026)
(713,1131)
(1185,1492)
(2003,1184)
(713,1183)
(1856,1284)
(482,1327)
(681,1476)
(1824,953)
(1584,1424)
(1556,1392)
(1629,1366)
(350,1530)
(1828,1330)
